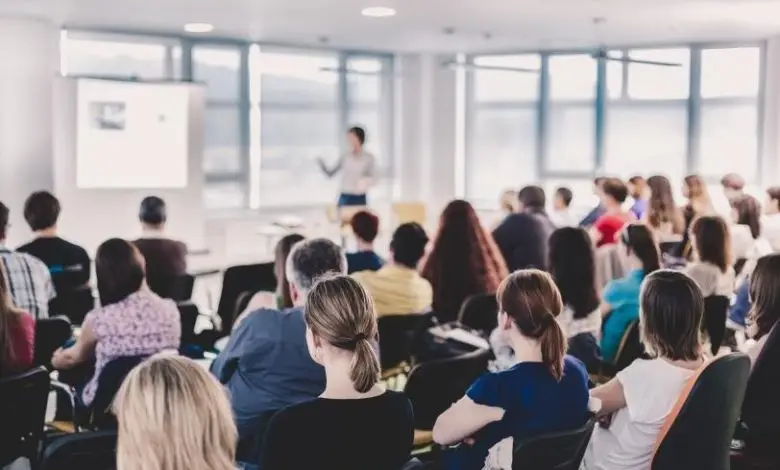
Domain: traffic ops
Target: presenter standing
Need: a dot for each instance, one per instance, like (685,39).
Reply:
(357,168)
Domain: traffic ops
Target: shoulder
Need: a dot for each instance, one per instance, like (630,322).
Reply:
(32,262)
(573,366)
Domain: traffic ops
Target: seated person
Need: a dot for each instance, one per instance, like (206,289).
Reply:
(266,365)
(562,216)
(765,311)
(131,321)
(365,226)
(740,307)
(397,288)
(746,230)
(522,237)
(340,326)
(173,415)
(68,264)
(17,334)
(607,227)
(621,296)
(545,392)
(640,193)
(597,211)
(712,268)
(165,258)
(640,398)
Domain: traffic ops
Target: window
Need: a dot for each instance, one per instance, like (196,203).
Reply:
(497,82)
(118,57)
(648,81)
(730,72)
(572,77)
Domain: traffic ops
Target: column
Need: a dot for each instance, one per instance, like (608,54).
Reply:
(771,106)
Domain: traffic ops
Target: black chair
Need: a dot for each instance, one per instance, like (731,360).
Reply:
(555,451)
(74,304)
(671,248)
(700,434)
(242,302)
(92,450)
(716,310)
(238,279)
(413,464)
(111,378)
(397,335)
(23,401)
(479,312)
(630,348)
(250,447)
(50,334)
(188,313)
(177,287)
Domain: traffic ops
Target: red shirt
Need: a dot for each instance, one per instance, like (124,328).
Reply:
(23,339)
(609,225)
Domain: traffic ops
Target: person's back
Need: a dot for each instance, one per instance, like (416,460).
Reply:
(363,261)
(164,257)
(522,239)
(365,227)
(68,263)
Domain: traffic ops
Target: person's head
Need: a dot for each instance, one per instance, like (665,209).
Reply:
(356,137)
(41,211)
(153,213)
(4,213)
(119,269)
(764,289)
(281,252)
(173,414)
(695,189)
(733,185)
(563,197)
(365,226)
(662,209)
(640,247)
(341,327)
(528,305)
(9,316)
(746,210)
(309,260)
(772,204)
(572,264)
(613,192)
(671,308)
(508,201)
(407,246)
(712,241)
(637,187)
(597,182)
(532,198)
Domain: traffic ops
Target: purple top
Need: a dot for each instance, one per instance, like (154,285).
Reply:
(142,324)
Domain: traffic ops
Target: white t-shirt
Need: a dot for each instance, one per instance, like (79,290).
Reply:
(770,229)
(651,388)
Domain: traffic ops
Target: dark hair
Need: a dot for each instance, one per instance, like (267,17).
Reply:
(616,189)
(463,261)
(748,213)
(765,294)
(573,266)
(532,197)
(774,193)
(671,311)
(358,132)
(408,244)
(41,210)
(365,225)
(733,181)
(639,184)
(4,212)
(599,180)
(712,241)
(310,259)
(639,240)
(281,252)
(153,211)
(662,208)
(532,300)
(119,269)
(565,194)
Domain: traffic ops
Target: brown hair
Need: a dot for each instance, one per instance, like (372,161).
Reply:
(639,240)
(774,193)
(616,189)
(671,311)
(532,300)
(698,196)
(639,185)
(748,213)
(340,311)
(733,181)
(464,260)
(662,208)
(9,318)
(365,225)
(712,241)
(281,252)
(41,210)
(765,294)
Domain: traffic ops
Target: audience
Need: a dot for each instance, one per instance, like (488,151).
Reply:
(522,237)
(740,306)
(28,279)
(131,321)
(597,211)
(164,257)
(746,239)
(639,192)
(173,416)
(17,334)
(397,288)
(712,268)
(562,216)
(635,404)
(770,223)
(545,392)
(606,228)
(266,365)
(365,226)
(662,214)
(733,186)
(68,264)
(765,294)
(621,296)
(330,431)
(463,261)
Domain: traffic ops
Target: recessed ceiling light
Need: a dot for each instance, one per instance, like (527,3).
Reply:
(378,12)
(199,27)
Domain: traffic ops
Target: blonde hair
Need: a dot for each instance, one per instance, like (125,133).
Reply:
(340,311)
(173,415)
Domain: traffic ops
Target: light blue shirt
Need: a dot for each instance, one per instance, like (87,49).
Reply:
(623,296)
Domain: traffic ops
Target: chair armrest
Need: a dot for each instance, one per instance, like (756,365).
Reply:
(64,389)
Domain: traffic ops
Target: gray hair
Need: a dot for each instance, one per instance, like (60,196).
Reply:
(310,259)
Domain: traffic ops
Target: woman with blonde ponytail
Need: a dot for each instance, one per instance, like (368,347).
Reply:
(354,424)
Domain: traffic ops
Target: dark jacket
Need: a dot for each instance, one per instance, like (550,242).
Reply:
(523,238)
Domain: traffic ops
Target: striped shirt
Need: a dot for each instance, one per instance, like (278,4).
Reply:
(29,282)
(397,290)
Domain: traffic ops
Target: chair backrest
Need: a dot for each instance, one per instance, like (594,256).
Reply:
(397,334)
(238,279)
(74,304)
(177,287)
(433,386)
(94,450)
(554,451)
(630,348)
(111,378)
(50,334)
(188,313)
(716,309)
(701,433)
(761,409)
(23,399)
(479,312)
(250,445)
(242,302)
(413,464)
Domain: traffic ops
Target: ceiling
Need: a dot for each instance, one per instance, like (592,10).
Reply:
(479,25)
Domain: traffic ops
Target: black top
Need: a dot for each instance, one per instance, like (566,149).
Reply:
(164,257)
(371,433)
(522,239)
(68,264)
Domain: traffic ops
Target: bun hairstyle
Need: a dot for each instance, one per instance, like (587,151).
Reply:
(341,312)
(532,300)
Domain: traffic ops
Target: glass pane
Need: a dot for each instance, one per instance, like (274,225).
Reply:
(572,77)
(501,85)
(223,195)
(729,140)
(659,82)
(222,140)
(364,79)
(297,78)
(502,151)
(730,72)
(615,76)
(114,59)
(220,69)
(572,133)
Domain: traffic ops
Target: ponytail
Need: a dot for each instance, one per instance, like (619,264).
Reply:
(553,344)
(365,366)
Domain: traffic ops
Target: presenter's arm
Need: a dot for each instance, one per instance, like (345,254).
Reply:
(329,172)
